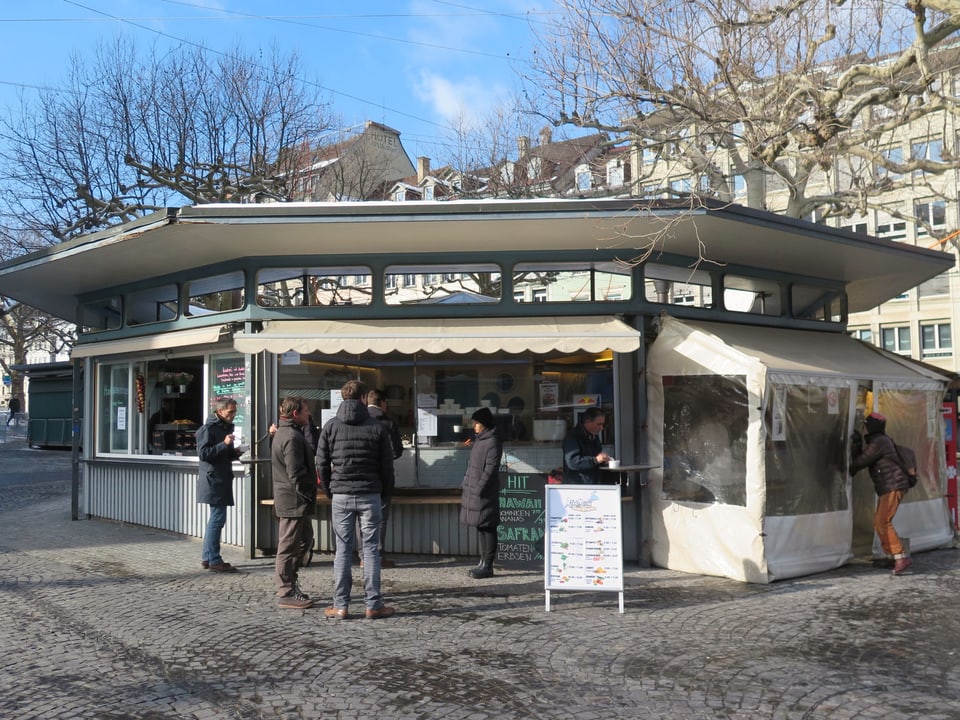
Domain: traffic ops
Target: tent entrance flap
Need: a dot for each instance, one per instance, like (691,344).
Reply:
(459,335)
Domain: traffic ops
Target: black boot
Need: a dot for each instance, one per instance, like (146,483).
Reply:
(488,550)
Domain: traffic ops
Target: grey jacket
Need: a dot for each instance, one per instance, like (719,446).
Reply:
(294,472)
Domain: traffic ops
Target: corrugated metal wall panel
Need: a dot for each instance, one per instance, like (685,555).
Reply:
(159,496)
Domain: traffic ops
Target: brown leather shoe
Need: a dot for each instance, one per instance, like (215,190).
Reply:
(224,567)
(204,564)
(335,613)
(383,611)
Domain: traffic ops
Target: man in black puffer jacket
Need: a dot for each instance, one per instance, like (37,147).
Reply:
(889,482)
(355,465)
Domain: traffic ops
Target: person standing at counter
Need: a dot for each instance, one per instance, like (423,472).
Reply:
(480,499)
(355,465)
(377,407)
(215,478)
(294,499)
(583,450)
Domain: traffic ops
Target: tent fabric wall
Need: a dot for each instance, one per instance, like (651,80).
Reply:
(747,540)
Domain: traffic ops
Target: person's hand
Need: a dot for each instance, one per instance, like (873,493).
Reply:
(602,458)
(228,440)
(272,429)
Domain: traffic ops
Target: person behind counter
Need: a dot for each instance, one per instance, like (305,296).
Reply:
(215,478)
(480,499)
(583,451)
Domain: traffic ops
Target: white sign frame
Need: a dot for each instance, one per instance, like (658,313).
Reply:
(583,539)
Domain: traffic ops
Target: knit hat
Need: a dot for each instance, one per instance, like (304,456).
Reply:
(875,423)
(484,417)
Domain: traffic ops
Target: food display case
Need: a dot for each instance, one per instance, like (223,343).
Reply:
(176,438)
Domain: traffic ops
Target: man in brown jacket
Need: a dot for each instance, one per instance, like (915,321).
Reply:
(890,482)
(294,499)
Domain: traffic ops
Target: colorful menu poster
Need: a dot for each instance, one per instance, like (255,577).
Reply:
(583,543)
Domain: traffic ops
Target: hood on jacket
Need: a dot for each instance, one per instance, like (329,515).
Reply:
(214,418)
(353,412)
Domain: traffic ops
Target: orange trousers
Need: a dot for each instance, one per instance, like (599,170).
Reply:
(887,506)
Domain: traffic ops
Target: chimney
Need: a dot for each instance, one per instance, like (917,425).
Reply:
(523,145)
(423,168)
(546,135)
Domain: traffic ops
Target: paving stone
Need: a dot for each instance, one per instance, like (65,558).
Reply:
(108,621)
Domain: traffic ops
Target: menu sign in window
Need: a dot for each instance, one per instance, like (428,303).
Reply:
(520,535)
(584,547)
(228,378)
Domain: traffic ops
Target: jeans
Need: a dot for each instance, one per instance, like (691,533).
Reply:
(211,538)
(887,506)
(346,510)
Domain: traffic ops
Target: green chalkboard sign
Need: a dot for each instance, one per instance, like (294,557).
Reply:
(521,529)
(228,378)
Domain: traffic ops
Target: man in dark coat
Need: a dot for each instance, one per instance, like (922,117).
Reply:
(889,482)
(377,407)
(217,452)
(14,405)
(355,465)
(294,499)
(583,451)
(480,498)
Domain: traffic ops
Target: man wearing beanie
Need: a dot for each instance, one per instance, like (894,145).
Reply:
(480,499)
(878,453)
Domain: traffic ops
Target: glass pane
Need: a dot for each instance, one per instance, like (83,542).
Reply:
(102,314)
(114,409)
(751,295)
(469,284)
(174,405)
(705,420)
(218,293)
(572,282)
(153,305)
(293,287)
(806,451)
(675,285)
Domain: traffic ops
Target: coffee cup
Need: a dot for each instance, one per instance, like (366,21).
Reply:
(613,464)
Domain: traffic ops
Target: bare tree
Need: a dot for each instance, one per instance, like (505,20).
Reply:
(794,107)
(129,134)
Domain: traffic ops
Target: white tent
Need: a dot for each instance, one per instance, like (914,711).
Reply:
(750,428)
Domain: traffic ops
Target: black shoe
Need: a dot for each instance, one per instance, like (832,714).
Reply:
(480,572)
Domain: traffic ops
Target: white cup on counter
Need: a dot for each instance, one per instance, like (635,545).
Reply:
(613,464)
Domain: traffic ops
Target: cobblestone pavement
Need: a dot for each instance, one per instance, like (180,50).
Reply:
(102,620)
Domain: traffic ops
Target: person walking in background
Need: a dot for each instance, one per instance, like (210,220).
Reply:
(217,451)
(14,405)
(879,455)
(377,407)
(355,466)
(583,450)
(480,497)
(294,499)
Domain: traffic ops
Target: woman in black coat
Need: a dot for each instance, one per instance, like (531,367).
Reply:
(480,501)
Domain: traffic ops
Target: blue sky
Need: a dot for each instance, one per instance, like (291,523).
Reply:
(414,65)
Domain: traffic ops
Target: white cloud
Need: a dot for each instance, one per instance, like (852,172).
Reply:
(463,102)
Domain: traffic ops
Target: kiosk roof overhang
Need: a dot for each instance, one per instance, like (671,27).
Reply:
(872,270)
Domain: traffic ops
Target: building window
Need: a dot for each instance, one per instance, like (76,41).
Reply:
(428,192)
(895,339)
(864,334)
(584,179)
(218,293)
(400,196)
(936,340)
(926,150)
(153,305)
(930,215)
(614,173)
(518,296)
(892,156)
(295,286)
(540,295)
(896,231)
(103,314)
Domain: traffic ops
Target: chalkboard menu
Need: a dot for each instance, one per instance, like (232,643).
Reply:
(583,538)
(228,378)
(520,533)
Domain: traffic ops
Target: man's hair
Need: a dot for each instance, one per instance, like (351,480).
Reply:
(375,397)
(289,405)
(224,402)
(353,390)
(591,413)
